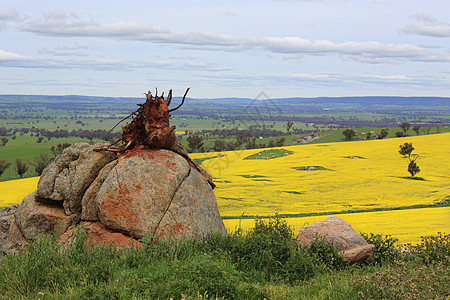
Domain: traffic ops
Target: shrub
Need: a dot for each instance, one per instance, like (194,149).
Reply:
(433,248)
(326,254)
(385,250)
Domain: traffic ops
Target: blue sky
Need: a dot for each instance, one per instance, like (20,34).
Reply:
(285,48)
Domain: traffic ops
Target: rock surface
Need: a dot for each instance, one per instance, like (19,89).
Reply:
(99,234)
(11,239)
(117,199)
(69,176)
(353,246)
(35,218)
(156,191)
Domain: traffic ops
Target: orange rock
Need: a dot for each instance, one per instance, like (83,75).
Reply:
(98,234)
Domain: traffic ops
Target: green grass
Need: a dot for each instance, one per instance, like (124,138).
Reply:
(270,154)
(263,263)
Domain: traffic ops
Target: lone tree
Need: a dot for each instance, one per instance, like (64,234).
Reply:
(404,126)
(406,150)
(416,129)
(289,125)
(41,162)
(21,167)
(383,133)
(3,166)
(4,141)
(59,149)
(349,133)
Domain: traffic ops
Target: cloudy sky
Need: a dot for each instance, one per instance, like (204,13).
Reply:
(285,48)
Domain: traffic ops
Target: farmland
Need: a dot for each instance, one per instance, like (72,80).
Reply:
(309,182)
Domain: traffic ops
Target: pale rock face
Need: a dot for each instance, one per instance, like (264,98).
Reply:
(69,176)
(353,246)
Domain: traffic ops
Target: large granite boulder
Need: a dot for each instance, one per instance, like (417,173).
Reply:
(117,199)
(336,231)
(156,192)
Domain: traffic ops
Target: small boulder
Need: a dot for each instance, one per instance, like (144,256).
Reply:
(336,231)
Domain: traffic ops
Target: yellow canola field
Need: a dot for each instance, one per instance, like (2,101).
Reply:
(369,182)
(407,225)
(13,191)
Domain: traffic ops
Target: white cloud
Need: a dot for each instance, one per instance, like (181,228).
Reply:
(9,59)
(7,16)
(6,56)
(429,26)
(71,25)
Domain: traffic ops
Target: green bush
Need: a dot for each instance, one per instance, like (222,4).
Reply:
(385,250)
(326,254)
(433,248)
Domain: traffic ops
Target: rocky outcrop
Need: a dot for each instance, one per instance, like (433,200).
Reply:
(336,231)
(11,239)
(69,176)
(35,218)
(117,199)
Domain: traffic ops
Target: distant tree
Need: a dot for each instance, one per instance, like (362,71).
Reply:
(413,168)
(251,144)
(3,166)
(21,167)
(289,125)
(428,130)
(59,149)
(4,141)
(368,135)
(219,145)
(195,143)
(240,140)
(41,162)
(271,144)
(400,134)
(349,134)
(416,128)
(404,126)
(406,150)
(40,139)
(384,133)
(280,142)
(438,128)
(230,146)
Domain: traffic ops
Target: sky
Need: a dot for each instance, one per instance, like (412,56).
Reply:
(283,48)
